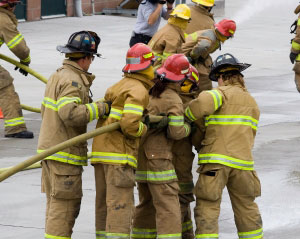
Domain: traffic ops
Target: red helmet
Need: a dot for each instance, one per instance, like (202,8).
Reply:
(176,68)
(138,58)
(226,27)
(5,2)
(194,75)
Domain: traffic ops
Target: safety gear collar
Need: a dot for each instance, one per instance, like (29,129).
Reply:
(193,77)
(139,57)
(181,11)
(176,68)
(85,42)
(10,3)
(225,63)
(206,3)
(226,27)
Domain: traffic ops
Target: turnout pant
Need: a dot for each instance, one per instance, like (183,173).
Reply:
(243,187)
(114,200)
(10,104)
(297,75)
(62,184)
(158,213)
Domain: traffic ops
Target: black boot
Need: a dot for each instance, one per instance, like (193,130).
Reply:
(21,135)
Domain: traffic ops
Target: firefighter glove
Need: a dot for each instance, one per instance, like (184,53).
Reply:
(107,107)
(23,72)
(193,128)
(293,57)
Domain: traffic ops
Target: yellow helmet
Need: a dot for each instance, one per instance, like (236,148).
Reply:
(181,11)
(206,3)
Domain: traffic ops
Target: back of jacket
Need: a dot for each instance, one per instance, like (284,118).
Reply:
(201,19)
(10,35)
(167,41)
(129,98)
(66,111)
(231,119)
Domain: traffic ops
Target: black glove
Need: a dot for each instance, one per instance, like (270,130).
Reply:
(23,72)
(193,128)
(107,111)
(293,57)
(159,125)
(162,2)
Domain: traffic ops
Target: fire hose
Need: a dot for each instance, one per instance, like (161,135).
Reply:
(78,139)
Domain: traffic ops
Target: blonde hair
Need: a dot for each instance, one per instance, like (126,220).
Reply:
(233,77)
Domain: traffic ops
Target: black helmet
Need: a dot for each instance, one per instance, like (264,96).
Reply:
(225,63)
(81,42)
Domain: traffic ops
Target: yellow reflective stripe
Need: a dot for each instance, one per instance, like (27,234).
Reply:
(298,57)
(28,59)
(195,76)
(14,122)
(141,128)
(163,56)
(143,233)
(207,236)
(93,109)
(295,46)
(67,100)
(169,236)
(187,129)
(55,237)
(66,158)
(226,160)
(100,234)
(115,113)
(155,176)
(15,41)
(176,120)
(146,56)
(231,120)
(194,36)
(117,235)
(114,158)
(298,22)
(256,234)
(186,226)
(133,109)
(49,103)
(189,114)
(217,98)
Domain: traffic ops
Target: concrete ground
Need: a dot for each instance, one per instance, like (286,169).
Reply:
(262,39)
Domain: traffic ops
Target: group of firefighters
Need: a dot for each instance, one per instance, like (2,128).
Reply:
(170,77)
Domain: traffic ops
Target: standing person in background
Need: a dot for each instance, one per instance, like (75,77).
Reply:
(202,18)
(295,51)
(168,40)
(149,15)
(14,122)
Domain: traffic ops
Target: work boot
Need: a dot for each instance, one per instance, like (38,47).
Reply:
(22,135)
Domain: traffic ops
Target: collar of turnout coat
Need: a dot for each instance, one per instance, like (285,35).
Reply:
(11,15)
(204,11)
(141,77)
(76,68)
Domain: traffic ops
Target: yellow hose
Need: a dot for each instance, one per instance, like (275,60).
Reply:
(33,166)
(25,68)
(29,108)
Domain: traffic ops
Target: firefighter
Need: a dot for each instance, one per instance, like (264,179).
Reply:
(199,45)
(114,154)
(14,122)
(202,17)
(295,51)
(183,159)
(158,214)
(67,108)
(231,117)
(168,39)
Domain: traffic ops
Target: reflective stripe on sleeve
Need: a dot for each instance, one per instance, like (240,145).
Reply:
(113,158)
(67,100)
(186,226)
(93,109)
(115,113)
(231,120)
(298,22)
(28,59)
(117,235)
(252,234)
(217,98)
(298,57)
(49,103)
(187,129)
(189,114)
(67,158)
(14,122)
(155,176)
(48,236)
(169,236)
(295,46)
(133,109)
(226,160)
(143,233)
(207,236)
(15,41)
(141,128)
(100,234)
(176,120)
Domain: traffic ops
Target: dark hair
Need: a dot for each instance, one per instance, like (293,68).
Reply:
(153,1)
(78,58)
(158,88)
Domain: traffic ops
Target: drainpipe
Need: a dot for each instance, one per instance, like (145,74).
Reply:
(93,6)
(78,8)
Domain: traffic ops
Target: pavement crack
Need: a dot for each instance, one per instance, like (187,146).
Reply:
(7,225)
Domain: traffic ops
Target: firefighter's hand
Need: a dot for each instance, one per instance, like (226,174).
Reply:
(161,124)
(23,72)
(293,57)
(107,107)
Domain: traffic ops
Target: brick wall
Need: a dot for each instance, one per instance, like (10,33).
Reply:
(33,10)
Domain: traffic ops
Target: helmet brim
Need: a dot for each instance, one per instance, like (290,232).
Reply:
(136,67)
(213,74)
(66,50)
(170,76)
